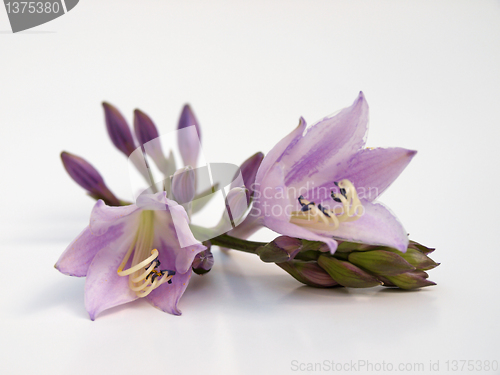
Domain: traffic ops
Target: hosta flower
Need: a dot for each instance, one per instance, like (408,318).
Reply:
(321,184)
(133,252)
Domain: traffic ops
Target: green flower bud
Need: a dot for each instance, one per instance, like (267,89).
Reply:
(347,274)
(381,262)
(409,280)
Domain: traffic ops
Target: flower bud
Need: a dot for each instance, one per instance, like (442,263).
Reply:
(118,129)
(409,280)
(419,247)
(144,128)
(249,170)
(418,259)
(85,175)
(183,185)
(189,139)
(380,262)
(308,273)
(147,135)
(281,249)
(347,274)
(237,203)
(203,261)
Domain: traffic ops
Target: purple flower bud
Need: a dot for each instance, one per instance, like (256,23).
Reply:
(144,128)
(189,139)
(249,170)
(281,249)
(203,261)
(85,175)
(237,203)
(118,129)
(183,185)
(308,273)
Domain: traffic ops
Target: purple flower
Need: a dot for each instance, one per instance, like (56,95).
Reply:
(189,139)
(320,184)
(131,252)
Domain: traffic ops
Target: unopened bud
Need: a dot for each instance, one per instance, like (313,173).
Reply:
(85,175)
(308,273)
(347,274)
(237,203)
(410,280)
(183,185)
(279,250)
(381,262)
(189,139)
(118,129)
(203,262)
(423,249)
(249,170)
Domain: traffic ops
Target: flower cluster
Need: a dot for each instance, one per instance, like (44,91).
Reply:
(317,188)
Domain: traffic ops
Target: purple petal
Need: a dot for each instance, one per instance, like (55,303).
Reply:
(76,259)
(103,217)
(371,171)
(378,226)
(118,129)
(189,136)
(276,210)
(172,233)
(377,169)
(167,296)
(184,185)
(104,288)
(249,170)
(278,150)
(326,144)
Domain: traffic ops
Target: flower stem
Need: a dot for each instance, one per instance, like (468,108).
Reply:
(225,240)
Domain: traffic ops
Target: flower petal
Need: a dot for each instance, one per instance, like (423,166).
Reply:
(167,296)
(371,171)
(377,226)
(76,259)
(277,209)
(171,233)
(377,169)
(103,217)
(104,288)
(278,150)
(326,144)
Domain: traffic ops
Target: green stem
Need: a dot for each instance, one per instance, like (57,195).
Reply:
(225,240)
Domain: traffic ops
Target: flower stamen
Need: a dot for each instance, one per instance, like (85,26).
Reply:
(321,217)
(144,275)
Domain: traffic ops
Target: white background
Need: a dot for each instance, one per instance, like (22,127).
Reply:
(430,72)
